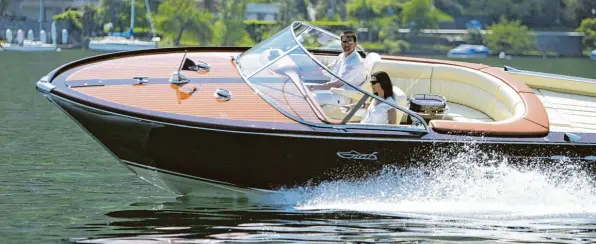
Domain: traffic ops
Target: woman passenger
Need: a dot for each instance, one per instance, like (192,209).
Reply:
(377,111)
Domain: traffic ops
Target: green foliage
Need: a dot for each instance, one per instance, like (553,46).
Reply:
(380,18)
(442,16)
(395,46)
(328,23)
(588,28)
(578,10)
(230,30)
(261,30)
(174,17)
(334,10)
(535,13)
(260,22)
(474,37)
(372,9)
(388,46)
(90,19)
(118,13)
(511,37)
(4,5)
(73,17)
(419,15)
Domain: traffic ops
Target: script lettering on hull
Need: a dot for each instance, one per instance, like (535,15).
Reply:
(357,156)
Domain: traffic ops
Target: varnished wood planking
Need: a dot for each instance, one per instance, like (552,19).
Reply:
(244,105)
(155,66)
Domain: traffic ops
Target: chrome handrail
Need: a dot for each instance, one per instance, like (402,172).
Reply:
(547,75)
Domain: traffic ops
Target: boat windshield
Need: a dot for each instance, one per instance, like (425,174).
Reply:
(281,69)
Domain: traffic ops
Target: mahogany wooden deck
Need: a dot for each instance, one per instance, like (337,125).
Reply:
(111,80)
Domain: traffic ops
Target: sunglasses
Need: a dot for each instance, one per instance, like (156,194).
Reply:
(347,42)
(373,80)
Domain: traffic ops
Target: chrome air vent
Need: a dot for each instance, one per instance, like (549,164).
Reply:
(222,95)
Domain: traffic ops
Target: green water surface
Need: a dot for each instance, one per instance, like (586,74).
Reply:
(57,183)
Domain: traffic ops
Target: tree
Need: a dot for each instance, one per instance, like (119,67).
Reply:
(588,28)
(110,11)
(292,10)
(474,36)
(378,17)
(3,6)
(118,13)
(229,29)
(419,15)
(331,9)
(510,37)
(174,17)
(81,22)
(90,22)
(451,7)
(578,10)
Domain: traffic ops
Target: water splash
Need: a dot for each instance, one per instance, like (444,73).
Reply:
(470,184)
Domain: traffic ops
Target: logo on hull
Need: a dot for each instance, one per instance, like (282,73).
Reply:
(357,156)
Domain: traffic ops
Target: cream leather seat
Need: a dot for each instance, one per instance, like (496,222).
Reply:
(477,90)
(472,95)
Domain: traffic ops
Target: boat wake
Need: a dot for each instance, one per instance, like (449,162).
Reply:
(469,185)
(473,196)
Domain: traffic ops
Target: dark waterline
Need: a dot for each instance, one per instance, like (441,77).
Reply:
(58,184)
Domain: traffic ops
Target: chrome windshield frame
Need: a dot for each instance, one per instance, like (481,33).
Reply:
(306,96)
(407,111)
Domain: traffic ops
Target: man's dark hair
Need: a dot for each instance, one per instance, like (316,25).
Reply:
(350,34)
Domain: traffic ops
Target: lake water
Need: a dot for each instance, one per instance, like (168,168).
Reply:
(58,185)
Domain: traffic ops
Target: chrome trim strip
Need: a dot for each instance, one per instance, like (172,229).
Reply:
(461,138)
(547,75)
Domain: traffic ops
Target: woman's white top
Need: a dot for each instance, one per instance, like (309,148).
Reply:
(378,112)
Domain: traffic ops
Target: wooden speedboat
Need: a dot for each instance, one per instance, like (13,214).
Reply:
(240,121)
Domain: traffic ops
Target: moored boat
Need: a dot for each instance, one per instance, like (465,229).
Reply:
(30,46)
(469,51)
(238,121)
(125,41)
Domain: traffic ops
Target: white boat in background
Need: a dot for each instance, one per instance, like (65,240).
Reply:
(593,54)
(30,46)
(468,51)
(125,41)
(119,43)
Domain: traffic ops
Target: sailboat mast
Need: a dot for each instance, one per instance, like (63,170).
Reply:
(42,16)
(132,17)
(150,18)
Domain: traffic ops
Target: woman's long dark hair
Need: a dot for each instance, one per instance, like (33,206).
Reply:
(383,78)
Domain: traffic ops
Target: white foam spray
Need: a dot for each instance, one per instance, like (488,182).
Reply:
(472,184)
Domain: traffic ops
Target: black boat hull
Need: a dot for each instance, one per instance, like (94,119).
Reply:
(211,160)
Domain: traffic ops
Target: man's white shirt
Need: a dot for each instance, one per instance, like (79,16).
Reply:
(351,69)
